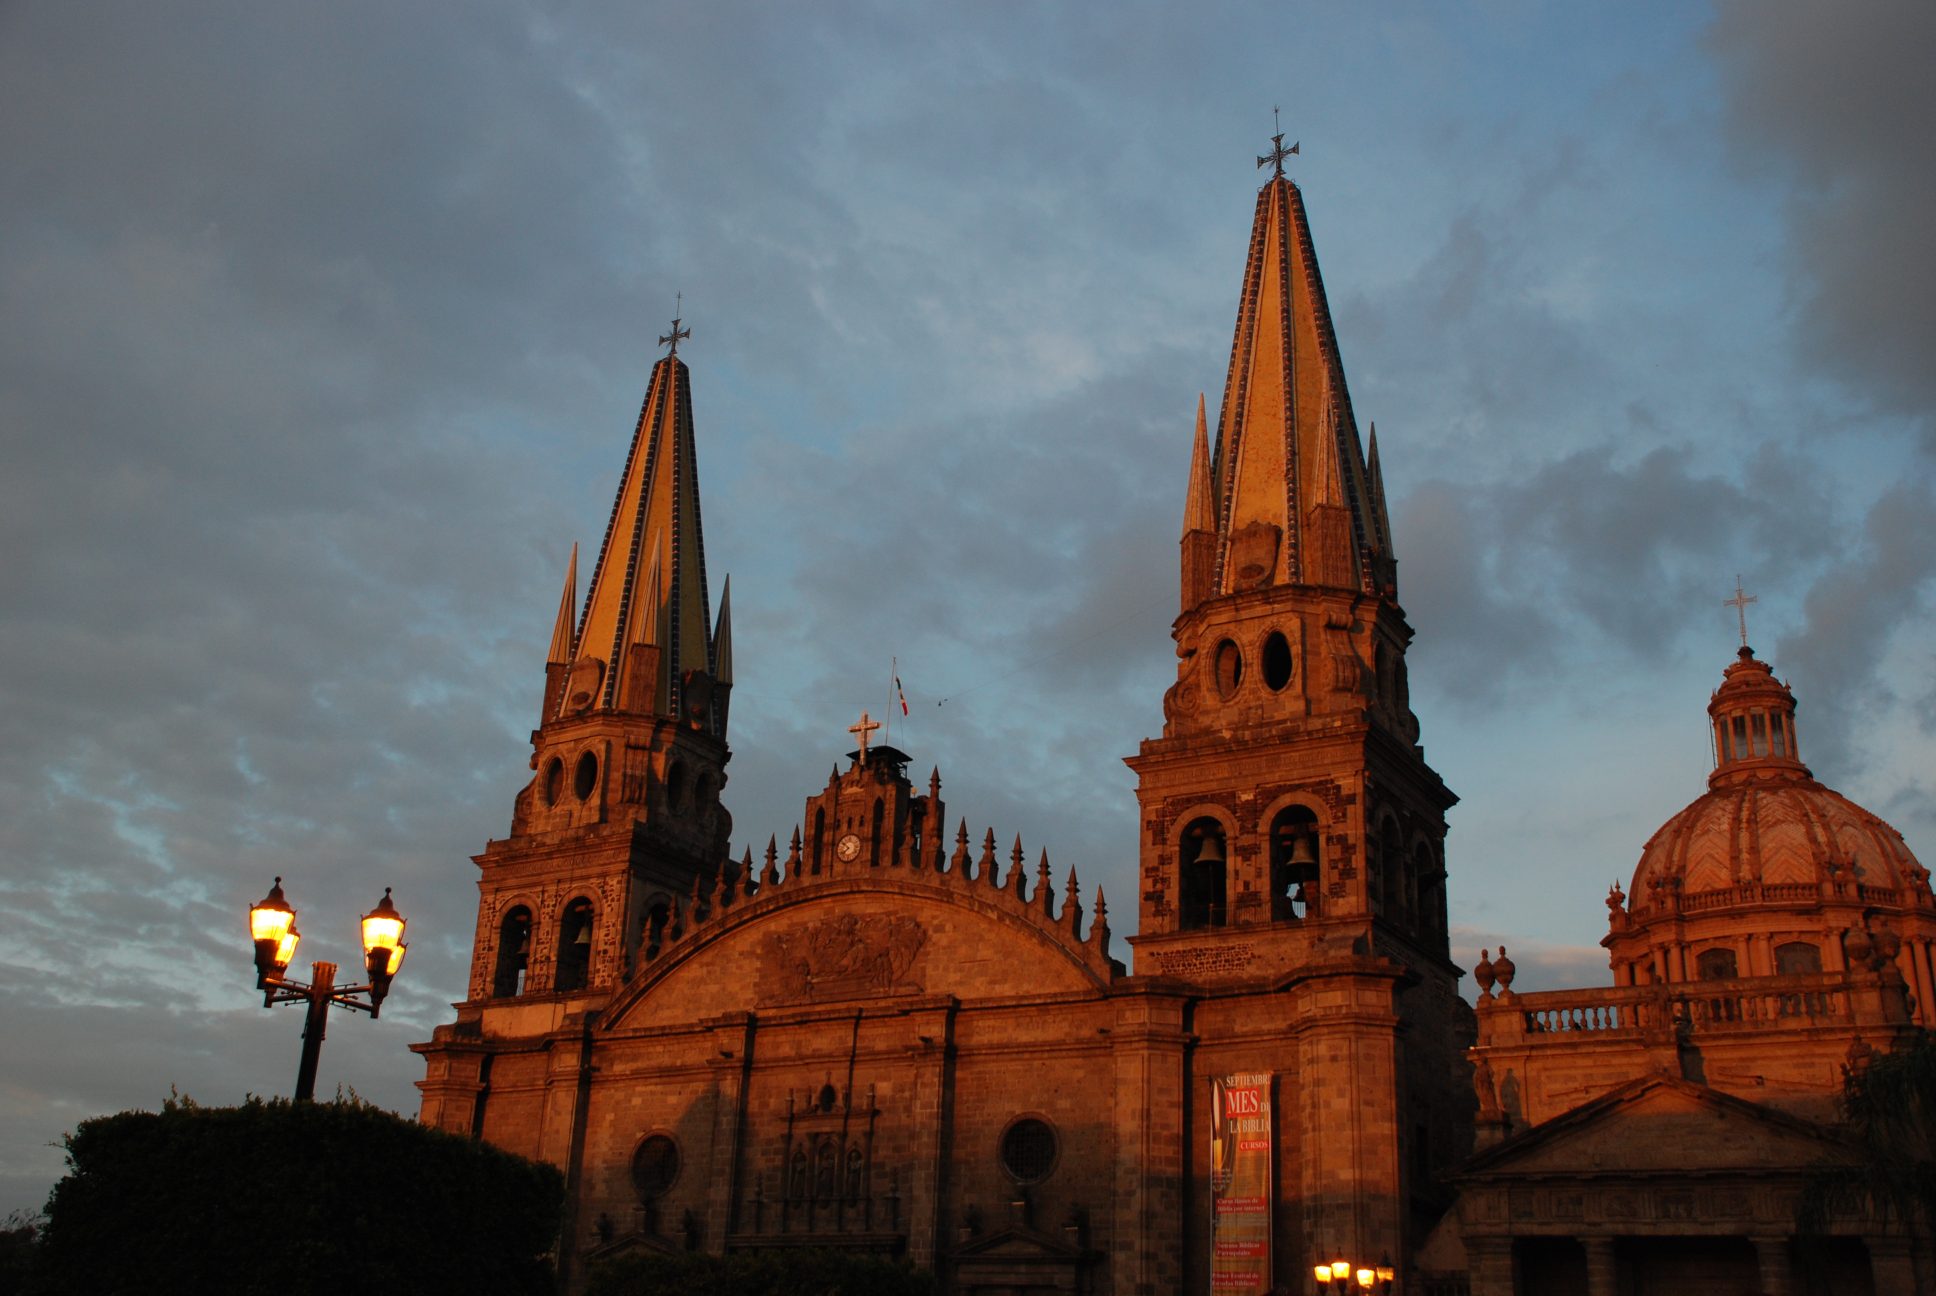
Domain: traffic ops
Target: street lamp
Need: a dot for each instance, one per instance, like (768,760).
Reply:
(272,925)
(1339,1275)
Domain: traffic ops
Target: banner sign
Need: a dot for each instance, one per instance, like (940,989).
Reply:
(1240,1179)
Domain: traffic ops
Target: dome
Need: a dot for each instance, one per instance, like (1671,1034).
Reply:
(1768,871)
(1775,835)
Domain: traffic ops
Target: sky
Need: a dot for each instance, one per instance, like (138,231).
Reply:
(323,330)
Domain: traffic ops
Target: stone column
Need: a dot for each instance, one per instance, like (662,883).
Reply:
(1599,1266)
(1489,1264)
(1777,1273)
(1146,1235)
(731,1066)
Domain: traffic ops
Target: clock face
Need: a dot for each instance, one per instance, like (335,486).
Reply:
(848,846)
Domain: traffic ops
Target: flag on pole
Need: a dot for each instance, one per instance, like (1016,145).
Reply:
(899,695)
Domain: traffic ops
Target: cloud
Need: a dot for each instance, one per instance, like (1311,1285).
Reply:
(1838,105)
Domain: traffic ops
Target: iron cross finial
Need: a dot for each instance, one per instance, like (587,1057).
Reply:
(672,338)
(863,731)
(1275,158)
(1740,603)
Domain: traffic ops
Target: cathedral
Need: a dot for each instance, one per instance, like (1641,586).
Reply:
(891,1035)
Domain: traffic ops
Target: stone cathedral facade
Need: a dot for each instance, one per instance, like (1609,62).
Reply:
(894,1035)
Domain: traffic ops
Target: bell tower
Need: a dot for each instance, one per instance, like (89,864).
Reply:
(622,818)
(1287,806)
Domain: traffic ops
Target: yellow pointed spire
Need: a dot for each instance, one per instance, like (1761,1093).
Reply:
(723,635)
(1199,520)
(1293,499)
(1199,509)
(560,654)
(646,608)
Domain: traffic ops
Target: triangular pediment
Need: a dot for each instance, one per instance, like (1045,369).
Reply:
(1019,1245)
(1660,1125)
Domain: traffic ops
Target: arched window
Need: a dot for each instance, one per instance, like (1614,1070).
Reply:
(819,836)
(513,953)
(575,945)
(1715,965)
(675,787)
(1203,854)
(874,834)
(1294,862)
(1797,958)
(1430,889)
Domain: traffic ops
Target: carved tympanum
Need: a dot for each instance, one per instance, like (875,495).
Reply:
(843,957)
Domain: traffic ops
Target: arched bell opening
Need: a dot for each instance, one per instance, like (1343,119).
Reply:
(513,953)
(1295,866)
(658,911)
(575,945)
(1204,855)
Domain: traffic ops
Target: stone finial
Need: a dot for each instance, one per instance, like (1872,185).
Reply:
(1044,893)
(1484,973)
(958,862)
(676,926)
(1504,968)
(934,783)
(1099,925)
(1072,903)
(771,873)
(793,855)
(1017,879)
(988,870)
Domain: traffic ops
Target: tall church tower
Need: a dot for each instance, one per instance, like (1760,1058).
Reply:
(1288,792)
(622,818)
(1292,835)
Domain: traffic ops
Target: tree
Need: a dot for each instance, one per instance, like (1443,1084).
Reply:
(1889,1110)
(293,1199)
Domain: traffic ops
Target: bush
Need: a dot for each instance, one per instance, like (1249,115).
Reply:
(758,1273)
(293,1199)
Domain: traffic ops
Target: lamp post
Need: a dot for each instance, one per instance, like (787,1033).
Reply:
(272,925)
(1336,1277)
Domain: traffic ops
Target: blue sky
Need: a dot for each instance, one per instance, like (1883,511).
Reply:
(322,330)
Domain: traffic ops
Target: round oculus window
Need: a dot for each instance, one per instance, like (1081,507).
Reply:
(1229,666)
(1277,661)
(655,1166)
(587,776)
(1028,1150)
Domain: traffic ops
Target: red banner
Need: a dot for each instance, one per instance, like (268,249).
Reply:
(1240,1178)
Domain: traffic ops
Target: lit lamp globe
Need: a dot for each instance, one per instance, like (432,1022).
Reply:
(1366,1277)
(1323,1272)
(1385,1271)
(1340,1271)
(272,925)
(383,947)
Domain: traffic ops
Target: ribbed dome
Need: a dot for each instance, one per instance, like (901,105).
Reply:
(1778,832)
(1766,830)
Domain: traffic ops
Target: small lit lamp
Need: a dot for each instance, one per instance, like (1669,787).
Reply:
(1340,1271)
(272,925)
(1323,1272)
(383,948)
(1366,1277)
(1385,1271)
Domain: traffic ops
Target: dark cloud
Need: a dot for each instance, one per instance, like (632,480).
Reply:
(1632,553)
(1835,660)
(1838,103)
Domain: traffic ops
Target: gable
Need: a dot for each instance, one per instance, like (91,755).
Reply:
(849,943)
(1662,1126)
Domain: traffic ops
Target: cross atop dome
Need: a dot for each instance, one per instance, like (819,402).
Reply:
(1740,603)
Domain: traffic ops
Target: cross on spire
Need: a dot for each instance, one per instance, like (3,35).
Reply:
(863,731)
(1740,603)
(672,338)
(1275,158)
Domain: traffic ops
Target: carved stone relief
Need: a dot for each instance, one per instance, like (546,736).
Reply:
(843,958)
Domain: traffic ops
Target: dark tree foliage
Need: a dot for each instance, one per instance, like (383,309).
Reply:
(19,1249)
(293,1199)
(758,1273)
(1889,1107)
